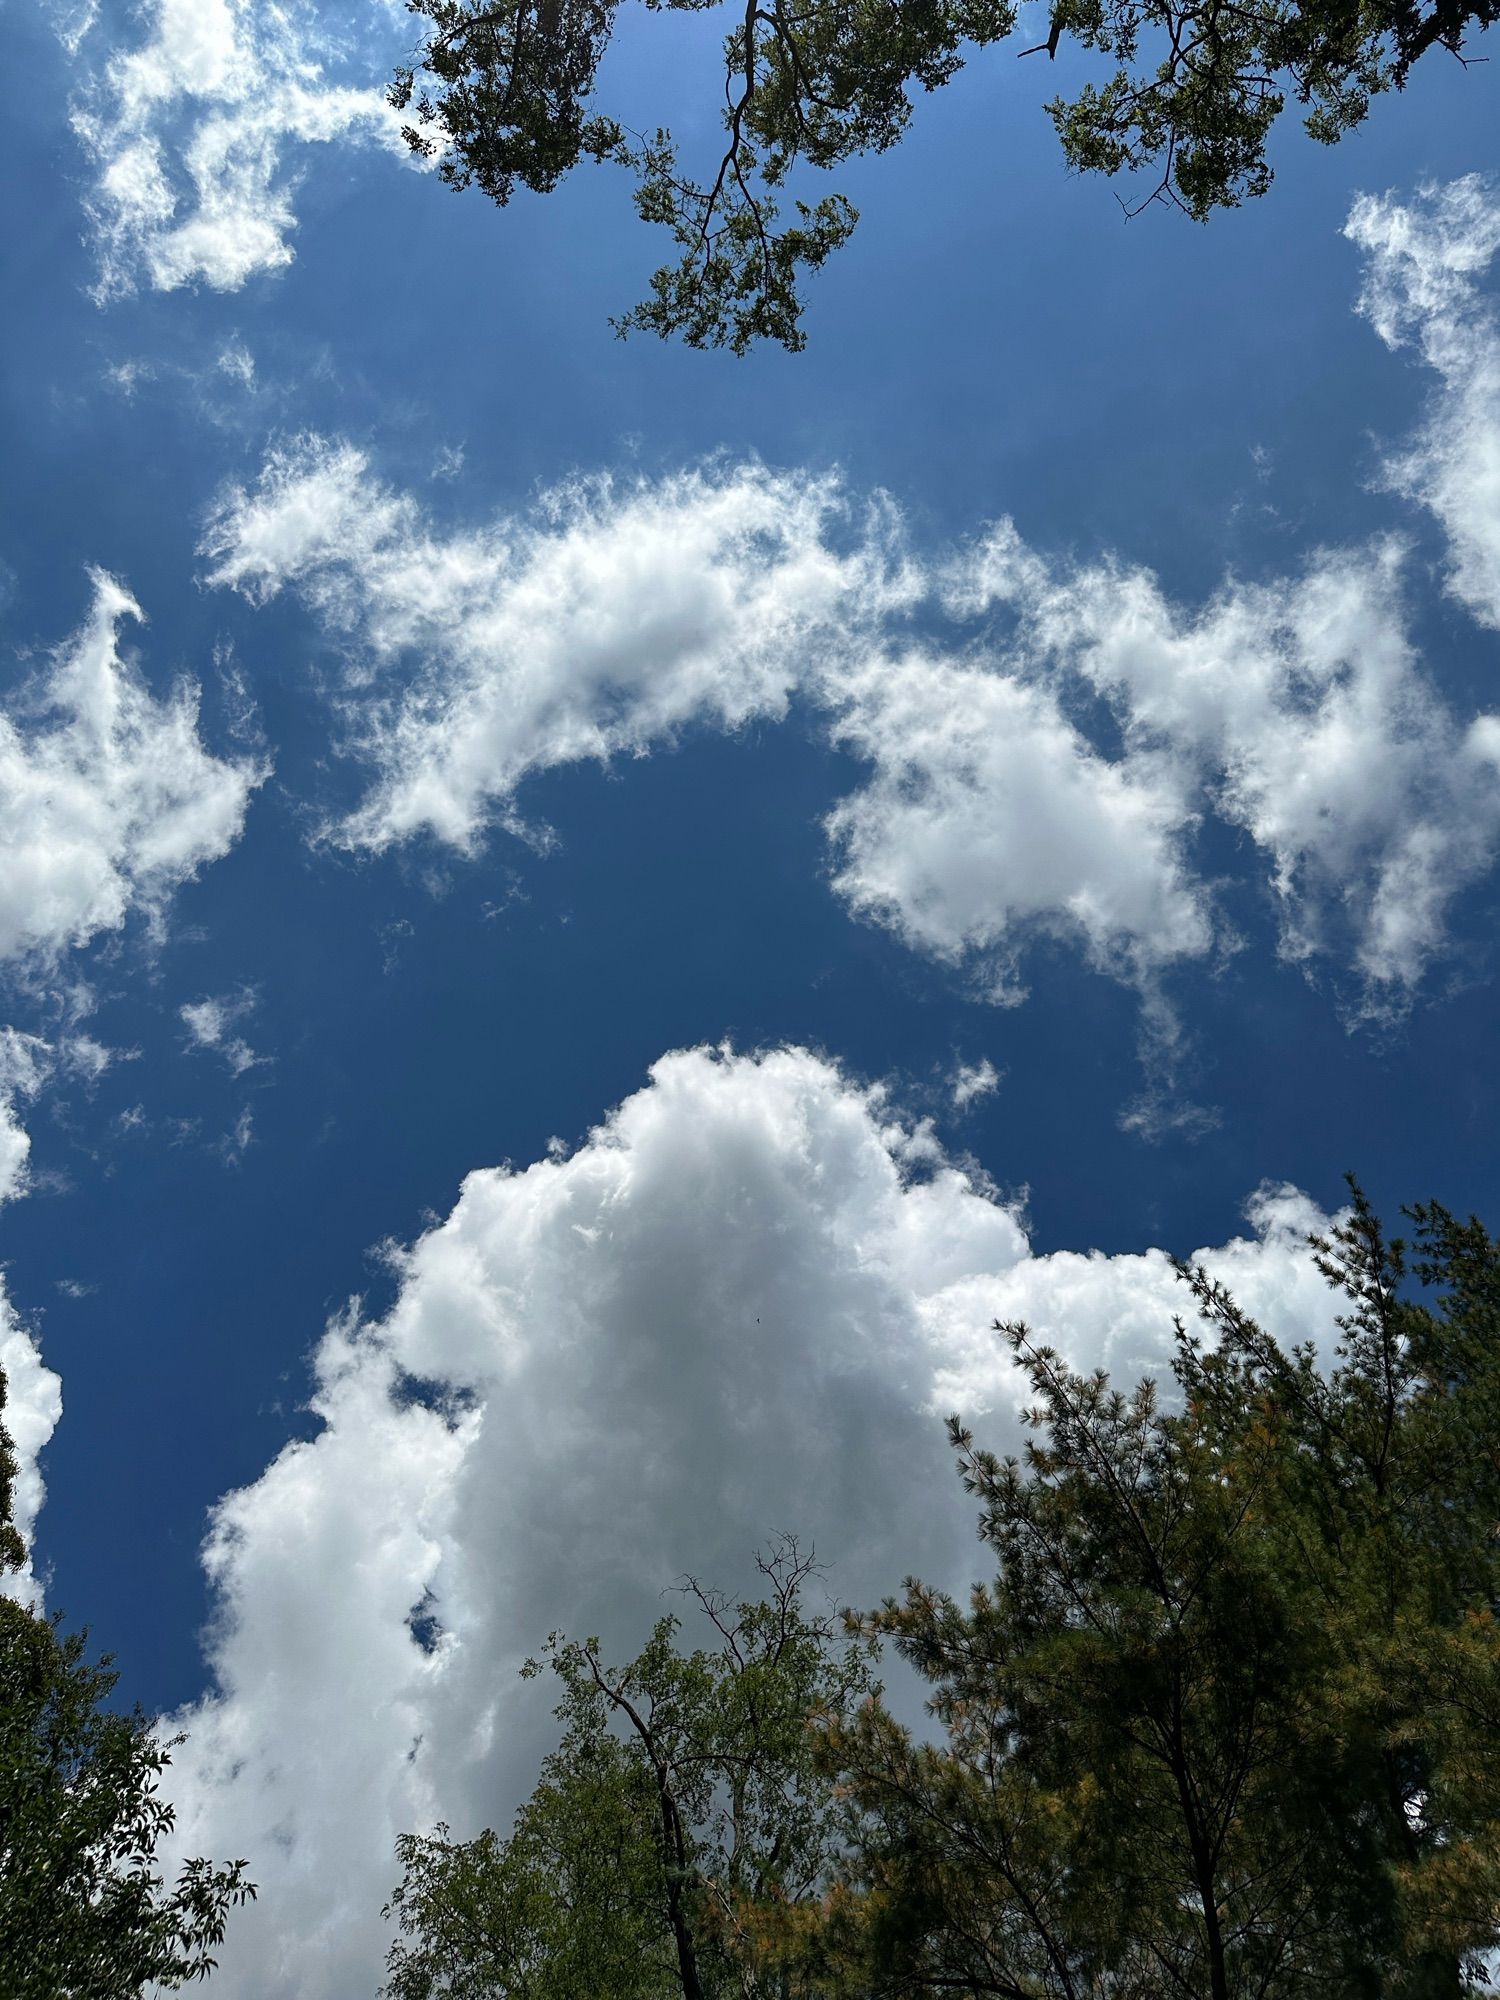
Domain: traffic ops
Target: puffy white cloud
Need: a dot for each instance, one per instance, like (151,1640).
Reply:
(1424,260)
(189,131)
(33,1391)
(741,1305)
(1298,712)
(990,817)
(614,616)
(33,1406)
(1293,711)
(109,800)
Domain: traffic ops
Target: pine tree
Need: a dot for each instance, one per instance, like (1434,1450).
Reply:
(1223,1723)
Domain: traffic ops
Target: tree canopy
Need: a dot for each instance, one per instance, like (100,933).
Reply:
(684,1794)
(84,1913)
(501,92)
(1221,1725)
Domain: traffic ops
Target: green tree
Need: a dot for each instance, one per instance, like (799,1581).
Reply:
(1395,1523)
(501,91)
(1223,1723)
(84,1914)
(684,1794)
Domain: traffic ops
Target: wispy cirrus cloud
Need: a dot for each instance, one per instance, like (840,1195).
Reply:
(212,1023)
(1425,260)
(199,130)
(971,1081)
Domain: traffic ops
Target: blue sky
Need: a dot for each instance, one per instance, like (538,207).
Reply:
(819,916)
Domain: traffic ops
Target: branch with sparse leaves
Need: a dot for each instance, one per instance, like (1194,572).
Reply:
(500,95)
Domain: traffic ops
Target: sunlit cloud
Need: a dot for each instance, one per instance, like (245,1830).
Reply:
(742,1305)
(197,133)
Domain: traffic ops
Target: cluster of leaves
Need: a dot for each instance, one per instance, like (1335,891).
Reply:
(1222,1724)
(84,1914)
(685,1793)
(1196,86)
(503,100)
(1218,1727)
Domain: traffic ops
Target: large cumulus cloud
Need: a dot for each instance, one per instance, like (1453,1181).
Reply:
(741,1305)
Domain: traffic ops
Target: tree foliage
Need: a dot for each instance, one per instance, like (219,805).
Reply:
(684,1793)
(84,1913)
(1221,1724)
(501,92)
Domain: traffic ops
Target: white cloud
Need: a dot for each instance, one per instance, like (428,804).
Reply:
(81,1056)
(613,616)
(27,1064)
(108,799)
(72,21)
(210,1022)
(742,1305)
(1298,712)
(33,1400)
(190,131)
(1424,260)
(127,376)
(238,363)
(33,1407)
(235,1143)
(25,1061)
(990,817)
(205,1021)
(971,1081)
